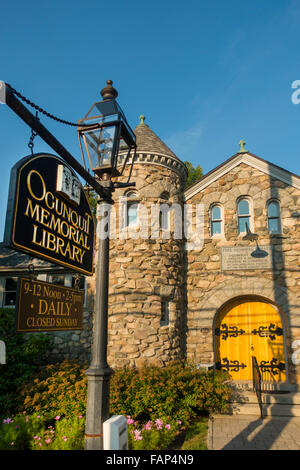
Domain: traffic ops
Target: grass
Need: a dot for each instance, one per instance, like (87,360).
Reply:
(194,437)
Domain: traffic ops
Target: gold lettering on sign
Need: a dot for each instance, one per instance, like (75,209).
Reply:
(57,227)
(44,306)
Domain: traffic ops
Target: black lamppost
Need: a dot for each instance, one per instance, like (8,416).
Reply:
(105,134)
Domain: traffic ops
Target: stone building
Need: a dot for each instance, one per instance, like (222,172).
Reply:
(209,274)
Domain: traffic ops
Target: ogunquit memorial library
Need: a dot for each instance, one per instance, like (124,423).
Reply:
(215,282)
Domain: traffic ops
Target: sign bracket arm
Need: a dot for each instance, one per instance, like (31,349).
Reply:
(15,105)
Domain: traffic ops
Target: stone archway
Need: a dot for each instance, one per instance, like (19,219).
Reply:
(247,328)
(205,315)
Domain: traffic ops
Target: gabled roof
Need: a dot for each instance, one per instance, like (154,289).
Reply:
(250,159)
(11,260)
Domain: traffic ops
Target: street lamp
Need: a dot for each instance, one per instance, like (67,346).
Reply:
(105,134)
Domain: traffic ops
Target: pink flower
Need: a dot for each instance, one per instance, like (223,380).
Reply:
(179,422)
(80,416)
(137,435)
(159,423)
(65,438)
(148,426)
(47,441)
(57,418)
(12,443)
(8,421)
(168,426)
(130,420)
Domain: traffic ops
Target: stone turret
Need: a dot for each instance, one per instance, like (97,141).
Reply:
(146,295)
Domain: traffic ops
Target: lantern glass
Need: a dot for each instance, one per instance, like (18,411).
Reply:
(100,145)
(105,132)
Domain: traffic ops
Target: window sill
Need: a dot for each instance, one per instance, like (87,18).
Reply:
(218,236)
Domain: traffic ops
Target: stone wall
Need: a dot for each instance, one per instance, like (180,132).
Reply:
(143,273)
(72,345)
(208,288)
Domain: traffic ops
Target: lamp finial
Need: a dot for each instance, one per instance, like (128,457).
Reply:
(109,92)
(142,119)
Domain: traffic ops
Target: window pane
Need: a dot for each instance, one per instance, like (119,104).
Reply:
(131,194)
(274,225)
(132,214)
(58,279)
(273,209)
(215,228)
(10,298)
(243,207)
(11,283)
(242,224)
(165,313)
(164,219)
(216,213)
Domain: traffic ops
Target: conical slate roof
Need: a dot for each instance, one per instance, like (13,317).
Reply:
(148,141)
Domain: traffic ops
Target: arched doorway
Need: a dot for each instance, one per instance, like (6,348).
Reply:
(250,327)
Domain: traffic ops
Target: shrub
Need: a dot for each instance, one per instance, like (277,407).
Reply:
(24,355)
(24,432)
(65,434)
(157,435)
(176,391)
(16,433)
(58,390)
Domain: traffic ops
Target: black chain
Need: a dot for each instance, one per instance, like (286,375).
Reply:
(33,134)
(41,110)
(77,281)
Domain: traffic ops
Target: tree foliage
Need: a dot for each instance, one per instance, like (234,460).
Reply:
(194,173)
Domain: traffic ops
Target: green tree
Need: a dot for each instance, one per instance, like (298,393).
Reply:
(194,173)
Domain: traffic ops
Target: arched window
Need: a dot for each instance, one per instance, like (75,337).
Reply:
(164,213)
(274,225)
(131,218)
(244,215)
(216,220)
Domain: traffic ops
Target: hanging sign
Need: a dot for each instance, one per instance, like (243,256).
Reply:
(48,214)
(42,306)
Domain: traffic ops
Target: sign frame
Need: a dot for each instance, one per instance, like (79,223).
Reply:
(14,218)
(36,288)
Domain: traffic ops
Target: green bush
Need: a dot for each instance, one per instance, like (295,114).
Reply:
(58,390)
(177,390)
(174,392)
(24,355)
(17,433)
(33,432)
(153,435)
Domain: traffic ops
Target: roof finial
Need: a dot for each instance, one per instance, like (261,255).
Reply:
(142,119)
(242,144)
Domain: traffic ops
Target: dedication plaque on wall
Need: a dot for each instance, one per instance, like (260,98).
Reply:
(244,258)
(42,306)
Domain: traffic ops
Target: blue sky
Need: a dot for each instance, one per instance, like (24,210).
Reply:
(204,73)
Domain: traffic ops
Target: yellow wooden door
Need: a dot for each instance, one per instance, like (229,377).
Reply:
(250,328)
